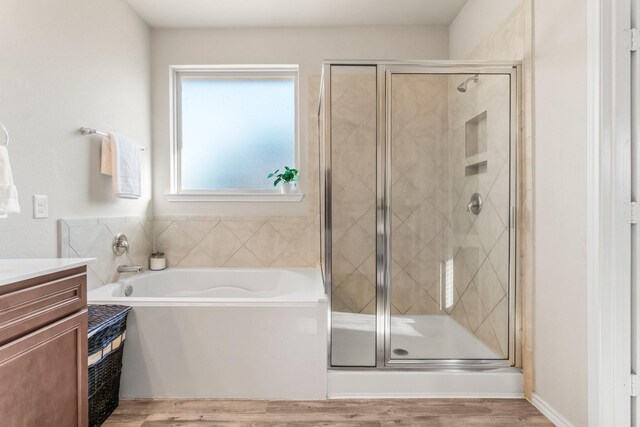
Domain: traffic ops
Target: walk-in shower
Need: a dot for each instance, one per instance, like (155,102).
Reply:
(418,197)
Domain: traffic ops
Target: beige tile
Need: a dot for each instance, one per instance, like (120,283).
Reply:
(425,268)
(489,287)
(460,316)
(405,245)
(461,275)
(405,199)
(292,257)
(341,268)
(220,244)
(175,244)
(266,244)
(404,291)
(106,262)
(473,307)
(499,319)
(473,253)
(425,222)
(337,305)
(355,245)
(196,230)
(140,247)
(243,229)
(197,258)
(356,292)
(424,304)
(488,226)
(83,237)
(499,258)
(488,337)
(244,258)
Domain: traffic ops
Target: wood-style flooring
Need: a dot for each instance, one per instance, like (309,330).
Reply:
(370,412)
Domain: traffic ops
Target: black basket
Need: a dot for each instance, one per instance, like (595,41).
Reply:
(106,323)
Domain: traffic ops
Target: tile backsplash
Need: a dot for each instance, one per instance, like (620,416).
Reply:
(238,242)
(93,238)
(191,242)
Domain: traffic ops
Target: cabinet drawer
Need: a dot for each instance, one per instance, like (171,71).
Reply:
(25,310)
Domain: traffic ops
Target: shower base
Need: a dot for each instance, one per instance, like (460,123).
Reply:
(413,337)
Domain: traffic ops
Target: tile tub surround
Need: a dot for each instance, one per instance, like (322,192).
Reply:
(238,242)
(93,237)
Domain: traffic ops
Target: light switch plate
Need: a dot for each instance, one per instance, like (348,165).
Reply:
(40,206)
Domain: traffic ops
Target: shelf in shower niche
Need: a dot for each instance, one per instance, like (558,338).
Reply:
(475,135)
(476,168)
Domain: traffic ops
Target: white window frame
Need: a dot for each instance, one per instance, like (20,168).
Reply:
(177,72)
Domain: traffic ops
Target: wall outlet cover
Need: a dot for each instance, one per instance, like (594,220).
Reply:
(40,206)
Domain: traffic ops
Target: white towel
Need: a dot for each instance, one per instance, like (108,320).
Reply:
(8,192)
(121,160)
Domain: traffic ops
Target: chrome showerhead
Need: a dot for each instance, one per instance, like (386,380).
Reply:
(463,86)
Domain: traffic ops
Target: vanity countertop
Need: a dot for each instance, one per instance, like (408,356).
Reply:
(16,270)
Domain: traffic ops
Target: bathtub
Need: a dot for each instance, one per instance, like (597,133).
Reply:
(223,333)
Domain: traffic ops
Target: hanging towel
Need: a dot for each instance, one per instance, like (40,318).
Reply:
(121,160)
(8,192)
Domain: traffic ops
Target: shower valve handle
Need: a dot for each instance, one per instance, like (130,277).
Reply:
(475,204)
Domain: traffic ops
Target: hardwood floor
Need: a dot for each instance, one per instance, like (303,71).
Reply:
(351,413)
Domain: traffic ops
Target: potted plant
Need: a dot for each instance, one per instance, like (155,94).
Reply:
(286,179)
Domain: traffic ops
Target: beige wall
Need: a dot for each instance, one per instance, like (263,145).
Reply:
(67,64)
(561,207)
(475,22)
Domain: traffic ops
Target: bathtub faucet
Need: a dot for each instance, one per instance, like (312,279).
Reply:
(130,269)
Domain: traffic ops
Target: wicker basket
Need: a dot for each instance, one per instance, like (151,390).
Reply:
(107,330)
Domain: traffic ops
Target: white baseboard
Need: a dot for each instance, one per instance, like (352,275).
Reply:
(548,411)
(365,384)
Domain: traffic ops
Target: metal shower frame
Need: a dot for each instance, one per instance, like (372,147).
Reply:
(384,72)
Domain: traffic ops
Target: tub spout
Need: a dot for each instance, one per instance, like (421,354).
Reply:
(130,269)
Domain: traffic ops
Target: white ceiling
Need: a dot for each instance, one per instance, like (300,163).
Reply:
(295,13)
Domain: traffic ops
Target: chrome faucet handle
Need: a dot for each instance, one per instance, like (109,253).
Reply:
(120,244)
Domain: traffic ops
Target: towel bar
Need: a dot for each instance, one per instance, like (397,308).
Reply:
(91,131)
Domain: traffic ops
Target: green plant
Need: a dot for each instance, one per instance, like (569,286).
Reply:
(288,176)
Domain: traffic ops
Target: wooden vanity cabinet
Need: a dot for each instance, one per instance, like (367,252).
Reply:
(43,351)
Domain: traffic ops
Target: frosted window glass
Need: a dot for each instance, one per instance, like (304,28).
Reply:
(235,132)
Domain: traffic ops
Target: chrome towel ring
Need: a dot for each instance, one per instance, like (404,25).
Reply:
(6,136)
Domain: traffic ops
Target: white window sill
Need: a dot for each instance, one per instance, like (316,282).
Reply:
(235,197)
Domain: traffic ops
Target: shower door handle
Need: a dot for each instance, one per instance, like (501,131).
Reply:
(475,204)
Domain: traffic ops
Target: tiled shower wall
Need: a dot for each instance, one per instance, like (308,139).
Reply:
(419,191)
(353,186)
(479,133)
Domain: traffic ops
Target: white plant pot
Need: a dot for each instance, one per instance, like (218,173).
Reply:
(288,187)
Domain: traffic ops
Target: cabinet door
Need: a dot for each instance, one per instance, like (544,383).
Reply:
(43,376)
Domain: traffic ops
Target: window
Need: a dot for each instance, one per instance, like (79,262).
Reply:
(233,125)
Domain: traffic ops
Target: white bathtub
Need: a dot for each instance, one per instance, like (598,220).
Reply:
(223,333)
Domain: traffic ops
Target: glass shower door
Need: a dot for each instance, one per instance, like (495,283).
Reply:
(352,159)
(448,179)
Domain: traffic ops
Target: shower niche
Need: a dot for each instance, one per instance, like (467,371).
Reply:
(418,182)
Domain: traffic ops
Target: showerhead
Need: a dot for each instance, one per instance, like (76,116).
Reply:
(462,87)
